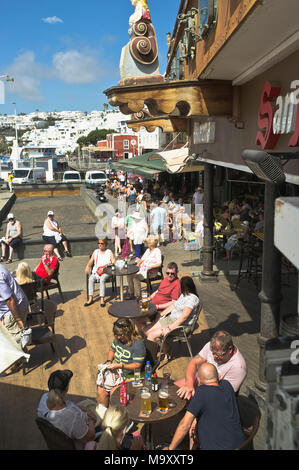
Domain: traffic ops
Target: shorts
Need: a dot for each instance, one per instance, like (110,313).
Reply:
(166,321)
(14,242)
(52,241)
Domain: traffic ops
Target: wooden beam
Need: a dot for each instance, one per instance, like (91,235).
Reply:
(166,123)
(184,98)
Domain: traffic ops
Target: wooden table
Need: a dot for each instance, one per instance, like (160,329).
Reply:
(133,407)
(131,269)
(131,309)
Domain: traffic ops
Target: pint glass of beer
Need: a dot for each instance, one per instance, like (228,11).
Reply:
(144,300)
(145,399)
(163,400)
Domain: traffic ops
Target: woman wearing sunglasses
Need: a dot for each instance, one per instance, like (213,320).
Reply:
(100,258)
(126,352)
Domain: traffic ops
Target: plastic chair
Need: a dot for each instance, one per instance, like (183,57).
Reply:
(54,438)
(44,331)
(181,334)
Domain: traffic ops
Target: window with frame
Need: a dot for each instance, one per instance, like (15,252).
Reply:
(126,144)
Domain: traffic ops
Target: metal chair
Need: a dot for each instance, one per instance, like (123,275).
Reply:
(154,274)
(44,331)
(181,334)
(54,438)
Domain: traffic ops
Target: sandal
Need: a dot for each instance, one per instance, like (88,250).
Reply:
(9,261)
(67,253)
(59,258)
(1,259)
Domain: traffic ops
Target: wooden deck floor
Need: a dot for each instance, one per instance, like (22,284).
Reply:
(84,336)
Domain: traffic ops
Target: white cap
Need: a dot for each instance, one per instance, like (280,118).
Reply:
(50,213)
(10,216)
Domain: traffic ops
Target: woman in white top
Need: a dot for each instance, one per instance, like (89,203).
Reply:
(118,228)
(152,258)
(138,231)
(76,422)
(12,238)
(180,313)
(100,258)
(53,235)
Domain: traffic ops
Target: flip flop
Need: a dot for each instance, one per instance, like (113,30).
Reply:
(9,261)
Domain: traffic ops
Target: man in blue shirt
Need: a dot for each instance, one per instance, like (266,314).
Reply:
(14,306)
(215,408)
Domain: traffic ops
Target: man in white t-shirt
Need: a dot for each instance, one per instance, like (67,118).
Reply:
(224,355)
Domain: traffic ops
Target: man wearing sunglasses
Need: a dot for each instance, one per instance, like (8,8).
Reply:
(224,355)
(169,290)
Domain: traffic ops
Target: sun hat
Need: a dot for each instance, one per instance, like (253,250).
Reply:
(59,379)
(10,216)
(50,213)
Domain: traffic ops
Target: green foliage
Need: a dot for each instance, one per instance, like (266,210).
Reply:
(94,136)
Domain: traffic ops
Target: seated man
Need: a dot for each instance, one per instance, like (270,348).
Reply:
(169,290)
(14,308)
(47,266)
(224,355)
(214,403)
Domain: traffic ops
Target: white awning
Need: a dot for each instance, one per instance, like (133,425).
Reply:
(178,161)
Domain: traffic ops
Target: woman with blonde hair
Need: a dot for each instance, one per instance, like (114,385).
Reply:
(23,273)
(114,435)
(152,258)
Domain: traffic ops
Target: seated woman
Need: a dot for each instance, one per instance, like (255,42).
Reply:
(113,436)
(12,238)
(23,274)
(77,423)
(126,352)
(180,313)
(53,235)
(152,258)
(100,258)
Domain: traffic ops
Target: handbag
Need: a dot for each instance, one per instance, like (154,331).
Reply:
(100,273)
(126,249)
(108,379)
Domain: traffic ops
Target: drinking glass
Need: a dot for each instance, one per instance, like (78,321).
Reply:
(166,376)
(163,400)
(145,402)
(137,380)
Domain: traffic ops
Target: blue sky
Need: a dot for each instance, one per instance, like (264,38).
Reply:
(63,54)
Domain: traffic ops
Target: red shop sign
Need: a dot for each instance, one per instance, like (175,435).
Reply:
(282,118)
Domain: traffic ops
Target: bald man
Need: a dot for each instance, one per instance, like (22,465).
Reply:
(215,408)
(47,266)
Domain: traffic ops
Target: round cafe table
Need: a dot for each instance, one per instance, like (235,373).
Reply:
(130,309)
(133,407)
(131,269)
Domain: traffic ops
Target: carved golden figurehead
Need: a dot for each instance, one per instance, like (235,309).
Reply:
(139,59)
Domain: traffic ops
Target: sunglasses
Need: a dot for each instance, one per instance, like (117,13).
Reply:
(120,323)
(170,274)
(219,354)
(101,243)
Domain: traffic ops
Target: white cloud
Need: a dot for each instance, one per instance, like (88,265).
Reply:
(28,75)
(76,67)
(52,20)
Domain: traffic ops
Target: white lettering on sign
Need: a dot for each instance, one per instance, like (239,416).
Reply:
(284,120)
